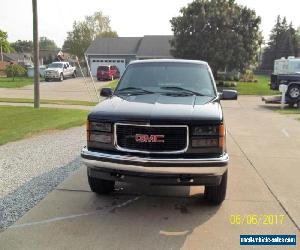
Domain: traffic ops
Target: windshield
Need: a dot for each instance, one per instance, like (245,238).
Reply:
(103,68)
(168,77)
(55,65)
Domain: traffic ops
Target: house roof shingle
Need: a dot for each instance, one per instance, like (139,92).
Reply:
(143,47)
(155,47)
(114,46)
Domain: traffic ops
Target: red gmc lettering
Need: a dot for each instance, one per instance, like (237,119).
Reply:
(149,138)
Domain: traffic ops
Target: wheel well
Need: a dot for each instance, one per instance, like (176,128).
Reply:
(293,83)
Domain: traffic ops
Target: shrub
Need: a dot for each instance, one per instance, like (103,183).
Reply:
(220,83)
(14,70)
(247,76)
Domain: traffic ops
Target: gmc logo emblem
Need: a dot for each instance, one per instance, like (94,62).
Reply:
(149,138)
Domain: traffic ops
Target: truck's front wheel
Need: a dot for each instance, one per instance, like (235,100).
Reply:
(216,194)
(294,91)
(100,186)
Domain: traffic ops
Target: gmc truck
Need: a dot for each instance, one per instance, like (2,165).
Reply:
(59,71)
(163,125)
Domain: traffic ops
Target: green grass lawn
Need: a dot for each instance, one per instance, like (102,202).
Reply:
(20,122)
(261,87)
(8,82)
(45,101)
(112,84)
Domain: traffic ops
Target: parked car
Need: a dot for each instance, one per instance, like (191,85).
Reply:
(59,71)
(162,125)
(110,72)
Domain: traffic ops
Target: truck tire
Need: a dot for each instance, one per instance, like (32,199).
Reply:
(216,194)
(61,77)
(294,91)
(100,186)
(74,74)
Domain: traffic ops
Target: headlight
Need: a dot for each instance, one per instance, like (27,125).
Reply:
(101,137)
(205,143)
(100,126)
(206,130)
(208,136)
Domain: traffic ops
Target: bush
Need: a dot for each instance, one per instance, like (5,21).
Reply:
(14,70)
(247,76)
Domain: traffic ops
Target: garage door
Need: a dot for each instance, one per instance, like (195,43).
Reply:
(96,62)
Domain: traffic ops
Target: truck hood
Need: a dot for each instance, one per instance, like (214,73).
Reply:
(158,108)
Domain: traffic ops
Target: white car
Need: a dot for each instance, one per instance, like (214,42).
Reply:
(59,71)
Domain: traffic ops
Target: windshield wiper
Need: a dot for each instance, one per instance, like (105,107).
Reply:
(183,89)
(130,89)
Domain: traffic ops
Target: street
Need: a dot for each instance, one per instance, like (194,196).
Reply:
(264,150)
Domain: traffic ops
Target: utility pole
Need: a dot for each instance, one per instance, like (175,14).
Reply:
(1,52)
(36,56)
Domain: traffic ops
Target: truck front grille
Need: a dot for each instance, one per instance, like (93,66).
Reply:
(172,139)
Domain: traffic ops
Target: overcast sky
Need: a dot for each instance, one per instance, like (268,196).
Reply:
(128,18)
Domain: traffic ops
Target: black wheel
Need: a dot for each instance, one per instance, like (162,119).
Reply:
(100,186)
(61,77)
(74,74)
(294,91)
(216,194)
(47,80)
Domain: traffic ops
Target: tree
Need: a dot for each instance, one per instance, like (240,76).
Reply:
(14,70)
(283,42)
(83,33)
(221,32)
(47,44)
(22,46)
(4,44)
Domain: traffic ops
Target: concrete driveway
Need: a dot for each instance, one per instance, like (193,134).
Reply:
(264,176)
(69,89)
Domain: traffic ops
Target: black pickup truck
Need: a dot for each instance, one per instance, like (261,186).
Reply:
(163,125)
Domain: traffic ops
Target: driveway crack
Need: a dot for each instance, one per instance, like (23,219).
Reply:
(265,182)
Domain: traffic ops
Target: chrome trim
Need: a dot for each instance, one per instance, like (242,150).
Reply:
(222,159)
(159,169)
(148,125)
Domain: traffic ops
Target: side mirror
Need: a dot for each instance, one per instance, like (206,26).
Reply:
(227,94)
(106,92)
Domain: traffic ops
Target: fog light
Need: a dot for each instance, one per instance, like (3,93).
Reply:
(207,142)
(103,138)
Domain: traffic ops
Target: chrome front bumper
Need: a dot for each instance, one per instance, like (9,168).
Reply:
(154,165)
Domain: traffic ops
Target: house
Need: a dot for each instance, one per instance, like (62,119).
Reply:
(24,59)
(119,51)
